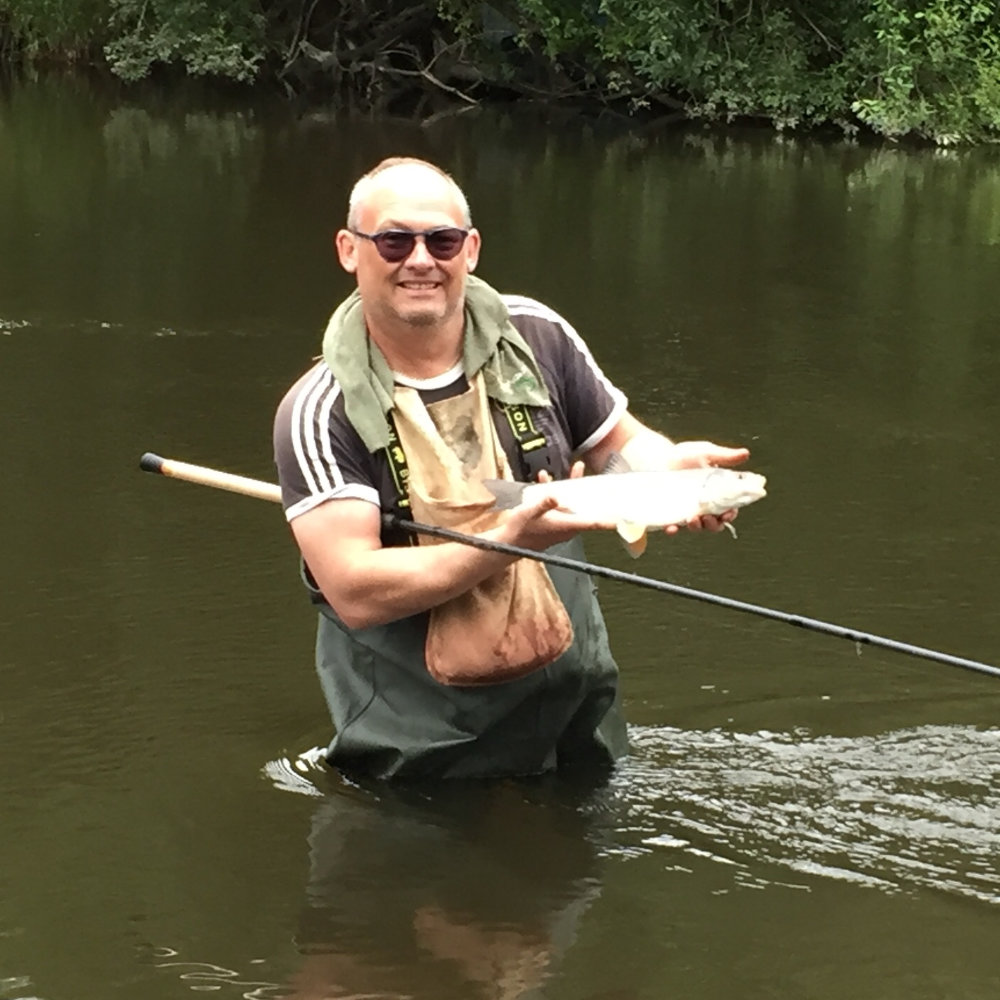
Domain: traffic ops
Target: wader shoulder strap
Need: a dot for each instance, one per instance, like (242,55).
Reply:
(532,442)
(399,471)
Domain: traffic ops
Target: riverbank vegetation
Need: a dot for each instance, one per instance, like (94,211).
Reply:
(926,69)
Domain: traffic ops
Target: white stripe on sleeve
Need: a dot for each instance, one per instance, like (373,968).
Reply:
(316,474)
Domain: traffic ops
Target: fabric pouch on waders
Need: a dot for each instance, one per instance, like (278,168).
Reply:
(513,622)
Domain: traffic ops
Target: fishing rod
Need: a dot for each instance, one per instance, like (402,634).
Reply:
(269,491)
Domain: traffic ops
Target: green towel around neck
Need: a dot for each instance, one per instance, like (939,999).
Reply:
(492,344)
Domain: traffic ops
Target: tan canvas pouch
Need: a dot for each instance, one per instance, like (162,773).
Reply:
(513,622)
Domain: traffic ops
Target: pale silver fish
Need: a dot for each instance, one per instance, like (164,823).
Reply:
(632,502)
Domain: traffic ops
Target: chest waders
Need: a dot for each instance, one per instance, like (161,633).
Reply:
(394,720)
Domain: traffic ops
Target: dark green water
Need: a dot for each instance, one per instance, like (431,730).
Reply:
(796,821)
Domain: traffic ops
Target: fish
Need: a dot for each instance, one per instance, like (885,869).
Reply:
(634,502)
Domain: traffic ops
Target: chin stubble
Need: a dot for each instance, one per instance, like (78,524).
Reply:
(422,319)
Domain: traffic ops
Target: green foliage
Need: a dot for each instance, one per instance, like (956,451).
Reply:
(48,28)
(726,59)
(932,70)
(217,37)
(927,68)
(923,67)
(225,38)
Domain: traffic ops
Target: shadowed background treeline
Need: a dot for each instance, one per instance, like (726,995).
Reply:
(927,69)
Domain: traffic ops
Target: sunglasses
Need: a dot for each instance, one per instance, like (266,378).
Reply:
(395,245)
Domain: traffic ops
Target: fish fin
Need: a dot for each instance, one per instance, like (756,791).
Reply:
(636,549)
(508,494)
(633,537)
(616,463)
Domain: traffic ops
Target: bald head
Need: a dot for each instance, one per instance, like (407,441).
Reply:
(422,182)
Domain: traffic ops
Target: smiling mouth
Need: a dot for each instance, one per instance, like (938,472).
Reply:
(419,286)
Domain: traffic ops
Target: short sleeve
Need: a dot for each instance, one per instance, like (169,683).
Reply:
(318,455)
(589,403)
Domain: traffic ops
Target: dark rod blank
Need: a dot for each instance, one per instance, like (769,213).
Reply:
(268,491)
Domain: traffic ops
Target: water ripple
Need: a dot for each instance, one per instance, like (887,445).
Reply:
(917,807)
(207,977)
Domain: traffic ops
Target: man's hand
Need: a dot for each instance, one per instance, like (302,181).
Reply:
(575,472)
(541,524)
(647,449)
(700,454)
(707,522)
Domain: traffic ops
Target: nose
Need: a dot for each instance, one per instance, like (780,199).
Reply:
(420,256)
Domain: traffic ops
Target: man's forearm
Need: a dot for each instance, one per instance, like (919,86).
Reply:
(639,445)
(367,584)
(385,584)
(644,448)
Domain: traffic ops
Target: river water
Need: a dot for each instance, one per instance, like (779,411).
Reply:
(798,819)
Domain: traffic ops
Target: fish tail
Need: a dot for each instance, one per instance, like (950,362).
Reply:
(508,494)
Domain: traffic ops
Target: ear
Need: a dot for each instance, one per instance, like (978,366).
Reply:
(347,250)
(473,244)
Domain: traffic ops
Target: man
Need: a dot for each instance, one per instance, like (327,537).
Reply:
(444,660)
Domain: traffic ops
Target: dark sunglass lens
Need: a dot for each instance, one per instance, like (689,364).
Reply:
(445,243)
(395,246)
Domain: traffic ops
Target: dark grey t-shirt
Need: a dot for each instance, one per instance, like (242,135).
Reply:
(320,457)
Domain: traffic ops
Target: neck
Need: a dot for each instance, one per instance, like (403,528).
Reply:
(419,352)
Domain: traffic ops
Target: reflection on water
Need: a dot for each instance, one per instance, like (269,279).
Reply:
(134,138)
(919,807)
(465,889)
(13,986)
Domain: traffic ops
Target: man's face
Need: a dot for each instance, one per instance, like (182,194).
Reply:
(420,290)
